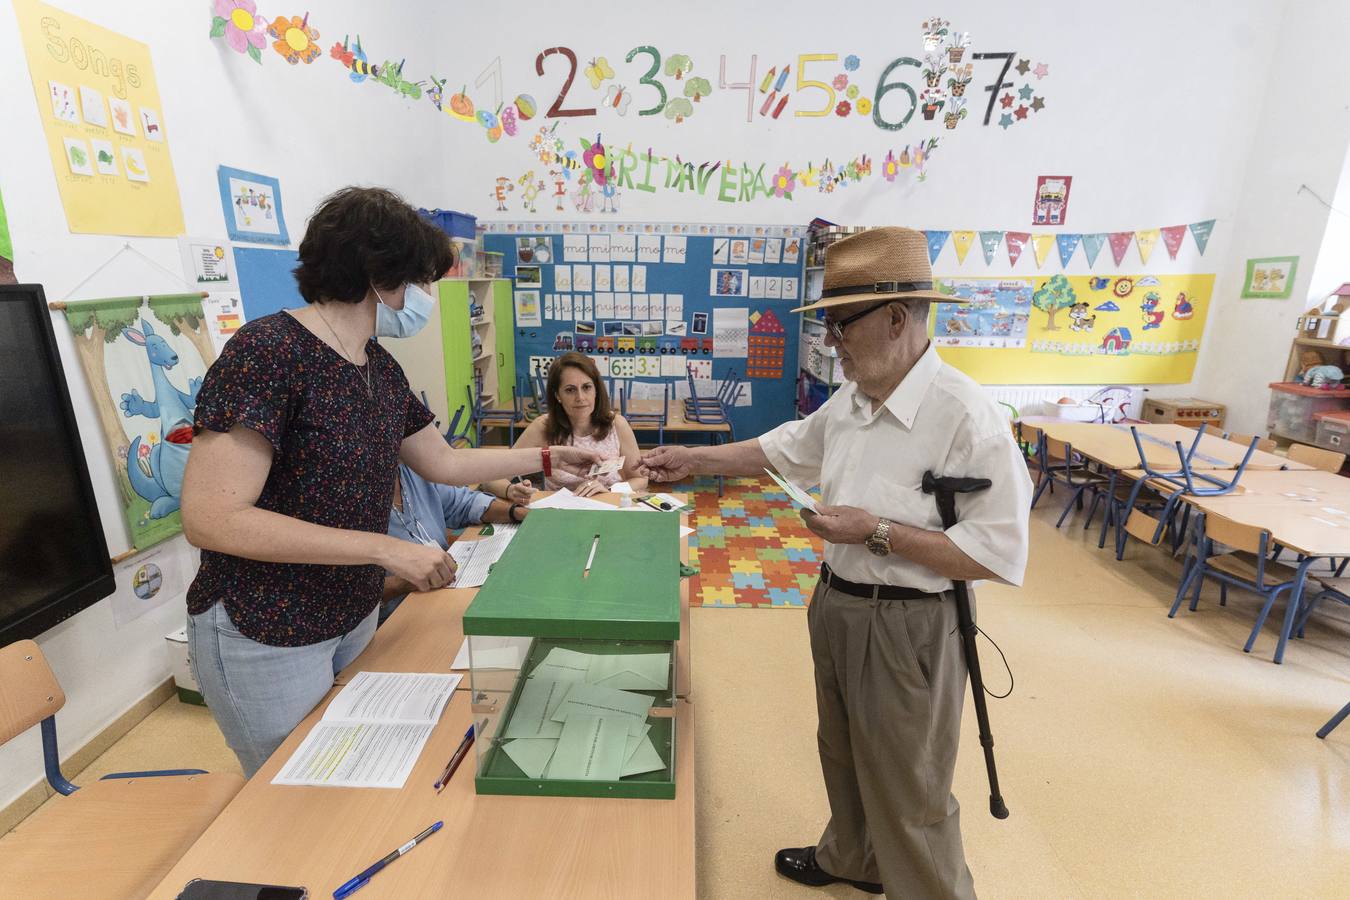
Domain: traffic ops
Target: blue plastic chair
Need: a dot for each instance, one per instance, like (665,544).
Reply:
(38,689)
(1248,568)
(1173,486)
(479,411)
(648,421)
(1334,721)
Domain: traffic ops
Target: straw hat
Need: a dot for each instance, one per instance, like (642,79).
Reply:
(879,264)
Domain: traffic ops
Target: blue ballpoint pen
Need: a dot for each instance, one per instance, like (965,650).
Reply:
(359,881)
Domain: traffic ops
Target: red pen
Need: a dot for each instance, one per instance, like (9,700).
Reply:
(781,103)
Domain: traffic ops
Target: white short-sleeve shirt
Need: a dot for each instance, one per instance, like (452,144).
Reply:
(938,420)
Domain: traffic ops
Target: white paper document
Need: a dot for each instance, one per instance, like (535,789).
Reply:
(372,733)
(565,499)
(475,558)
(797,495)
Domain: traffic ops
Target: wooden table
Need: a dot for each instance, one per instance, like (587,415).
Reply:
(1113,446)
(490,847)
(1301,524)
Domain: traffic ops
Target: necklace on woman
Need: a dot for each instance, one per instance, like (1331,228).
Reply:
(370,391)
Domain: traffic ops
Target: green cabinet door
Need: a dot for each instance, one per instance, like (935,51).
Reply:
(458,346)
(504,321)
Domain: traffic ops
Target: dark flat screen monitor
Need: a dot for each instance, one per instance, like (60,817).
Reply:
(53,557)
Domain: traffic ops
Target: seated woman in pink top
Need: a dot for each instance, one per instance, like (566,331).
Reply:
(580,415)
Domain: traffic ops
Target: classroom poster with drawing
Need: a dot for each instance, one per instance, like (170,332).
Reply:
(252,206)
(1079,329)
(994,314)
(101,112)
(145,359)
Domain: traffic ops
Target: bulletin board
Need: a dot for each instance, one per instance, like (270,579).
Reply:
(100,109)
(1074,329)
(266,280)
(647,301)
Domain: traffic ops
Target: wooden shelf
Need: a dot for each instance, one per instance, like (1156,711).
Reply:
(1319,342)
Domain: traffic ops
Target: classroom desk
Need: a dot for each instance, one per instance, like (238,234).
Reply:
(1113,446)
(491,846)
(1298,524)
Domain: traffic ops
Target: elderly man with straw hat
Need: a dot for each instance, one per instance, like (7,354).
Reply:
(890,675)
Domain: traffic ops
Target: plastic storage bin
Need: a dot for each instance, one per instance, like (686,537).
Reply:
(1333,431)
(455,224)
(1293,408)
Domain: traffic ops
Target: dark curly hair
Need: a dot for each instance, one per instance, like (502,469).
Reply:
(363,236)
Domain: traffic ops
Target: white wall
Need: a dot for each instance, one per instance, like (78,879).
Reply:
(1301,139)
(307,126)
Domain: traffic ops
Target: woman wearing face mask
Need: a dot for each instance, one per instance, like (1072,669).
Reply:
(580,415)
(300,427)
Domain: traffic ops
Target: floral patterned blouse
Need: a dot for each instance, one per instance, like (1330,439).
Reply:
(335,457)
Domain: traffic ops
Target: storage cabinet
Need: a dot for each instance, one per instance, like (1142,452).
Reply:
(468,340)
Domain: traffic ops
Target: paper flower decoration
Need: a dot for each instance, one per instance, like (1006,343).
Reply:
(294,39)
(784,183)
(840,81)
(843,109)
(851,62)
(864,107)
(237,21)
(595,160)
(890,166)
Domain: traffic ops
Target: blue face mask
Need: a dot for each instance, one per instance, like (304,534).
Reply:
(405,322)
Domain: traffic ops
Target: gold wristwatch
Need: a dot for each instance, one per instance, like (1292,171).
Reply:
(879,542)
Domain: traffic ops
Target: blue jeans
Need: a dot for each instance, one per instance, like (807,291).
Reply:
(259,693)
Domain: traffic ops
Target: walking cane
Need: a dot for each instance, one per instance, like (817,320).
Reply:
(945,491)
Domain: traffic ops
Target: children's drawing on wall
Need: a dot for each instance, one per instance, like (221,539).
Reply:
(1270,278)
(145,362)
(6,249)
(252,205)
(1052,199)
(1054,295)
(994,313)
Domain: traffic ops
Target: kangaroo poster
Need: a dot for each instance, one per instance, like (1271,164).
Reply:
(145,358)
(1073,329)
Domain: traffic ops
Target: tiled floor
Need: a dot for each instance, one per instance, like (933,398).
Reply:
(1140,756)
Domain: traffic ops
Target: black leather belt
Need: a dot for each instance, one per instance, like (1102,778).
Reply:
(871,591)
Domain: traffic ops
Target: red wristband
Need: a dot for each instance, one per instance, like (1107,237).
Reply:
(545,462)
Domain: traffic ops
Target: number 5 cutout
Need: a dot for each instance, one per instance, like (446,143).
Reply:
(807,83)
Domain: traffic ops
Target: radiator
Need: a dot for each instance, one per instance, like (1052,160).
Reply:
(1038,399)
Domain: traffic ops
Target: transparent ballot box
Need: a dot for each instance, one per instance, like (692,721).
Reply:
(572,658)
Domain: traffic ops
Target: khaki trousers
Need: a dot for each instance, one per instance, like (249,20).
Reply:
(890,686)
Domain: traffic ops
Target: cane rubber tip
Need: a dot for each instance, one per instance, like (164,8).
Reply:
(997,809)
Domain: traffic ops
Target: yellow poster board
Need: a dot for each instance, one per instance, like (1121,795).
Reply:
(1073,329)
(100,108)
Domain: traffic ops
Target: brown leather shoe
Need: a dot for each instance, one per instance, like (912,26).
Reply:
(799,864)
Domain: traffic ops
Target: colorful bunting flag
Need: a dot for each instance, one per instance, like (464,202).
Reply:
(1092,245)
(936,241)
(1042,243)
(1120,242)
(1067,244)
(989,241)
(1015,240)
(962,240)
(1172,237)
(1146,240)
(1201,232)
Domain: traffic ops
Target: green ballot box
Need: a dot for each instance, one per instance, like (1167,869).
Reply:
(572,657)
